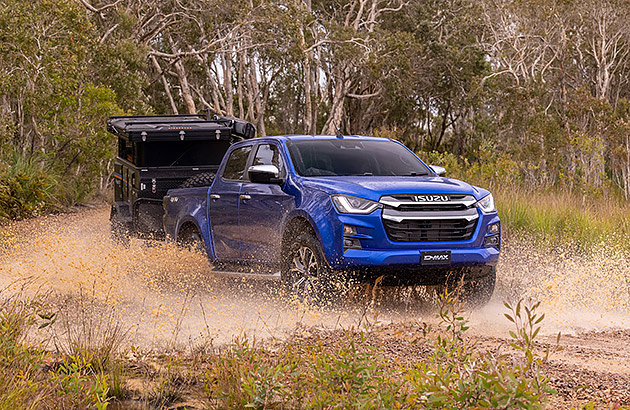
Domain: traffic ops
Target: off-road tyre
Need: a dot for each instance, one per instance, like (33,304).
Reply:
(190,237)
(119,231)
(119,234)
(305,273)
(199,180)
(474,286)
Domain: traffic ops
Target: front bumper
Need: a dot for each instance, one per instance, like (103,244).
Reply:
(377,251)
(361,258)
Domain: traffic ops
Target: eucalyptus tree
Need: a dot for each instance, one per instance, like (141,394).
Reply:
(53,94)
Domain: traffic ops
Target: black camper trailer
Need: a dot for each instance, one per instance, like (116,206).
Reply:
(157,153)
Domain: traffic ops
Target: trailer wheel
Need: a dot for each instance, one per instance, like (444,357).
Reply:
(119,231)
(199,180)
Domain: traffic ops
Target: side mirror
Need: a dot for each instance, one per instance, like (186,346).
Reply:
(264,174)
(440,171)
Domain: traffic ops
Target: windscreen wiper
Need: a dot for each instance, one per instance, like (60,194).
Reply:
(415,174)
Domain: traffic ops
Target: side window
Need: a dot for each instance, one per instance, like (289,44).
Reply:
(235,167)
(268,154)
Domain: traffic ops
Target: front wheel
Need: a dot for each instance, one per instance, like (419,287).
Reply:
(119,234)
(119,231)
(474,286)
(305,272)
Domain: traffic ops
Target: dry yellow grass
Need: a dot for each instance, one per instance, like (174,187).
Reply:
(565,218)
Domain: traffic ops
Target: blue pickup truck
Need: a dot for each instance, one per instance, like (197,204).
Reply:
(324,210)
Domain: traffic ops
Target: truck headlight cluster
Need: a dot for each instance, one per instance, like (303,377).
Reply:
(486,204)
(347,204)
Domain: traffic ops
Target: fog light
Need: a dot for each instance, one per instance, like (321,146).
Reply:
(349,230)
(491,241)
(494,228)
(351,243)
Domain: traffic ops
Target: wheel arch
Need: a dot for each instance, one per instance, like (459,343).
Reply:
(185,224)
(297,225)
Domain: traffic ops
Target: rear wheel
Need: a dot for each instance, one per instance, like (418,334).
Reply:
(305,272)
(119,231)
(189,237)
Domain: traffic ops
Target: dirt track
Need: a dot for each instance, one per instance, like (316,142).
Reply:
(168,299)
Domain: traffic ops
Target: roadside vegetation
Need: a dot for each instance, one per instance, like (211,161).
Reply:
(503,93)
(313,369)
(549,216)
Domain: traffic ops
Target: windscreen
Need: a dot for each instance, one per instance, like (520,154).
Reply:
(346,157)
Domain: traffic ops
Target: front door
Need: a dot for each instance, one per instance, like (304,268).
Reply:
(261,210)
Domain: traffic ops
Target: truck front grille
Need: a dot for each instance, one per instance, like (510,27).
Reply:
(408,203)
(430,230)
(429,218)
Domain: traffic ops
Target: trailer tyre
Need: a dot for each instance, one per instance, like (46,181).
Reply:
(199,180)
(119,231)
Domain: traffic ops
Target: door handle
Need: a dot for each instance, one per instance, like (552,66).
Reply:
(215,196)
(245,197)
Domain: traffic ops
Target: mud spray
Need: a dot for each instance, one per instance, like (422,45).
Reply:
(157,296)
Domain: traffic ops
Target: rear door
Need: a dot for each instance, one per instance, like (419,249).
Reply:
(224,201)
(262,208)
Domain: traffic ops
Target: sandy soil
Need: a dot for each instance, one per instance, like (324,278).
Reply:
(164,299)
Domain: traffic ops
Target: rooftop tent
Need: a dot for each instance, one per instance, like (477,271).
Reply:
(173,127)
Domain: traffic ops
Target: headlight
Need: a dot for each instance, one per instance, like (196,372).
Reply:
(346,204)
(486,204)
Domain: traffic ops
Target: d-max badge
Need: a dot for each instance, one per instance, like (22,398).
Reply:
(435,257)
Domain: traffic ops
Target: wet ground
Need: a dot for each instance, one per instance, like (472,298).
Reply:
(161,298)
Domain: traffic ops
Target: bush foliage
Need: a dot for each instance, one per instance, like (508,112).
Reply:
(442,368)
(354,372)
(536,104)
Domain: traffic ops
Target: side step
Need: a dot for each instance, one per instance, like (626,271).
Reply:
(248,275)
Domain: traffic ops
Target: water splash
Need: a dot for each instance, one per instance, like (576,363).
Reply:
(167,297)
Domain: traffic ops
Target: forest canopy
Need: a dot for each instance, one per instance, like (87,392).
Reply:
(525,92)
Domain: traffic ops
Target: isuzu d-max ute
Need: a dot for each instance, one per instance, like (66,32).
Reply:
(322,210)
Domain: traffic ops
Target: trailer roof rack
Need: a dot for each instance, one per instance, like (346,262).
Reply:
(172,127)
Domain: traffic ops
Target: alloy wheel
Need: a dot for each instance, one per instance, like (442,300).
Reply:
(304,270)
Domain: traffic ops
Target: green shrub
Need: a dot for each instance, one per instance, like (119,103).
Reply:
(78,385)
(353,375)
(31,377)
(247,377)
(25,188)
(349,371)
(20,384)
(459,375)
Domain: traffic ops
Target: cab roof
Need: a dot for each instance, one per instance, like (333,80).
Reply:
(300,137)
